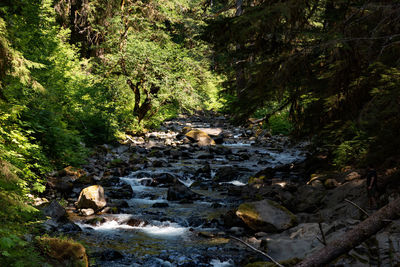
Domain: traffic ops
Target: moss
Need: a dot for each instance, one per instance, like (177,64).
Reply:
(115,163)
(65,251)
(248,210)
(260,179)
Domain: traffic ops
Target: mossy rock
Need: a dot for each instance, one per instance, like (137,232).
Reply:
(257,180)
(266,216)
(115,163)
(72,172)
(63,252)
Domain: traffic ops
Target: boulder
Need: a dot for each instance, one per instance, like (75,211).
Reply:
(308,198)
(55,211)
(330,183)
(136,222)
(123,192)
(62,185)
(59,221)
(180,192)
(266,216)
(92,197)
(87,212)
(352,176)
(298,242)
(226,174)
(72,172)
(201,137)
(163,179)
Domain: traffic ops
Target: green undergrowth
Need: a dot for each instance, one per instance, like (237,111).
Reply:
(278,122)
(18,221)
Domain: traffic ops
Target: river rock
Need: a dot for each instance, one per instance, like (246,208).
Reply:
(92,197)
(201,137)
(123,192)
(136,222)
(55,211)
(226,174)
(266,215)
(180,192)
(87,212)
(330,183)
(160,205)
(110,255)
(59,221)
(163,179)
(298,242)
(61,185)
(205,170)
(308,198)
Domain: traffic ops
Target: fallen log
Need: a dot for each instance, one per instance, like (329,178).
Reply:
(354,237)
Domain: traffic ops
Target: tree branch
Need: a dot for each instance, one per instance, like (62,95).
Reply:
(259,251)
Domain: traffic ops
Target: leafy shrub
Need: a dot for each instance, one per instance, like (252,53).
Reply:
(279,123)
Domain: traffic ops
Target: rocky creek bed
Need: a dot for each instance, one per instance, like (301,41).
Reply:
(175,197)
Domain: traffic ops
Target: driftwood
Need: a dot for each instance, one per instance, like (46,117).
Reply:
(259,251)
(354,237)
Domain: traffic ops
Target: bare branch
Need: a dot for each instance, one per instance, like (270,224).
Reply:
(354,204)
(259,251)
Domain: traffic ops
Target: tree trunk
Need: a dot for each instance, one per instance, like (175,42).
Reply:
(240,76)
(354,237)
(136,91)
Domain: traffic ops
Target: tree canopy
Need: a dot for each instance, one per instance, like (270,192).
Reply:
(333,64)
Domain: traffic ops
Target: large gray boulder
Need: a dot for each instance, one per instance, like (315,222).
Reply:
(297,242)
(92,197)
(266,216)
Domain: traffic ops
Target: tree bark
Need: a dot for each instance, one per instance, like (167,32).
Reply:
(356,236)
(240,76)
(136,91)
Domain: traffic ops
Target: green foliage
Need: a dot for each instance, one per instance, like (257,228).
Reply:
(14,214)
(65,69)
(279,123)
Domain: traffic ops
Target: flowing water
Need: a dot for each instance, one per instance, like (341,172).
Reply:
(169,233)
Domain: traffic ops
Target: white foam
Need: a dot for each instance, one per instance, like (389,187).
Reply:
(218,263)
(135,183)
(236,144)
(188,182)
(166,229)
(237,183)
(133,201)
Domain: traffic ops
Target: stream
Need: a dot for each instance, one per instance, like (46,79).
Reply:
(149,230)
